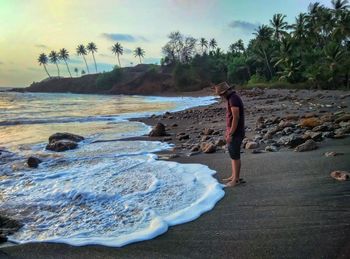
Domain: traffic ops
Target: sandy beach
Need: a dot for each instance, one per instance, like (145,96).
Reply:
(290,206)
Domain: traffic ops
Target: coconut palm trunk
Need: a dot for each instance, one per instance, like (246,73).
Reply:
(140,59)
(118,60)
(94,61)
(58,70)
(47,71)
(87,68)
(68,68)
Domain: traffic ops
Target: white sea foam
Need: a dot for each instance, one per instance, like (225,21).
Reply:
(108,193)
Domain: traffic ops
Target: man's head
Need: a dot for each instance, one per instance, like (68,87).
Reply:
(223,89)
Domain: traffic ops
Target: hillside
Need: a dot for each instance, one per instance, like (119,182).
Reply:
(142,79)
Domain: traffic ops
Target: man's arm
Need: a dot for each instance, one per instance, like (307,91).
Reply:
(235,118)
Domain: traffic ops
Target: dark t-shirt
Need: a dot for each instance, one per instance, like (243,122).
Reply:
(234,100)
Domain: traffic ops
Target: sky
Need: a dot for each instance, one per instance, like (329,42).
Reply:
(31,27)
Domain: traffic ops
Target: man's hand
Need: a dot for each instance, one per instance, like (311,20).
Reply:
(228,138)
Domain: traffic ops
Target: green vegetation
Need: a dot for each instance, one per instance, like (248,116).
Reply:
(312,52)
(106,80)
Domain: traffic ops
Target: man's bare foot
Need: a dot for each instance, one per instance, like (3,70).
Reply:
(227,179)
(232,183)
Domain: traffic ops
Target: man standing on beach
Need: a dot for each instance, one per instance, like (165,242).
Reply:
(235,131)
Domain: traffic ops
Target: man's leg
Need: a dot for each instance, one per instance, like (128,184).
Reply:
(236,170)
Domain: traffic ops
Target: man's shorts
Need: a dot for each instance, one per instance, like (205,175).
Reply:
(234,148)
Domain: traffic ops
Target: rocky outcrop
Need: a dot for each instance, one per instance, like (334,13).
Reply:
(66,136)
(62,145)
(158,130)
(8,226)
(60,142)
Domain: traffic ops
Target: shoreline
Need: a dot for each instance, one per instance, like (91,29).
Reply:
(285,209)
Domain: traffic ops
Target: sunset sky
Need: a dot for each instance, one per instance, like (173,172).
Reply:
(31,27)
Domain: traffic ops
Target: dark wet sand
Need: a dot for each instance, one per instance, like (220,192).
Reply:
(289,208)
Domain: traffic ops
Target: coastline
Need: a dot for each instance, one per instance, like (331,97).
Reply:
(286,209)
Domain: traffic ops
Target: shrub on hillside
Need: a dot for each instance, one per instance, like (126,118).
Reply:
(106,80)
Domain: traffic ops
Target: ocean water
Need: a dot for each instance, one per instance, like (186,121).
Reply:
(110,193)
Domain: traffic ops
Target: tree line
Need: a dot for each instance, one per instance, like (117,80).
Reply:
(63,55)
(313,50)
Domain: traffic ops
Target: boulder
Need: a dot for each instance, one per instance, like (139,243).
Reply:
(183,137)
(208,148)
(310,122)
(251,145)
(292,140)
(66,136)
(340,175)
(158,131)
(345,117)
(220,142)
(271,149)
(33,162)
(195,148)
(208,131)
(61,145)
(332,153)
(307,146)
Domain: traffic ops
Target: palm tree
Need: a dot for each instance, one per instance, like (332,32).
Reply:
(76,71)
(213,44)
(334,57)
(83,72)
(91,47)
(64,55)
(340,4)
(138,52)
(117,49)
(203,43)
(299,28)
(263,37)
(43,60)
(240,45)
(81,51)
(53,56)
(279,25)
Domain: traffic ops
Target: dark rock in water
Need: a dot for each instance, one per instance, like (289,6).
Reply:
(307,146)
(65,135)
(8,227)
(33,162)
(61,145)
(158,131)
(3,238)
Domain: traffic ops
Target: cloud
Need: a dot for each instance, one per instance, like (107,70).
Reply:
(243,25)
(123,37)
(41,46)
